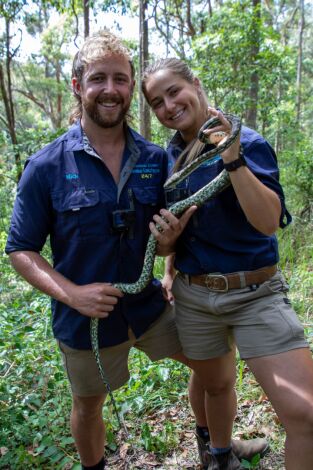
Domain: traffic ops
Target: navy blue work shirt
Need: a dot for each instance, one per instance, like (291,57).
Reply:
(70,195)
(219,238)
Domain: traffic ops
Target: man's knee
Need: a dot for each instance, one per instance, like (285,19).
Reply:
(87,408)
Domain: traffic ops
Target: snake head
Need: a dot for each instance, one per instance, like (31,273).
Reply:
(233,120)
(213,122)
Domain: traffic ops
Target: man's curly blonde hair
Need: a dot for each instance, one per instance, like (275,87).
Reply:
(99,46)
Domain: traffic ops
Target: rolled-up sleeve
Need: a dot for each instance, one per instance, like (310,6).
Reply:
(31,218)
(262,161)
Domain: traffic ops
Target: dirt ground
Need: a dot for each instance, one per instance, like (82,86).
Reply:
(258,420)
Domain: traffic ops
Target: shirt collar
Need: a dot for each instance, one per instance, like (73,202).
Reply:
(88,148)
(177,141)
(78,140)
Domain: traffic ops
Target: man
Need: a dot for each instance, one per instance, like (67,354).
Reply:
(94,191)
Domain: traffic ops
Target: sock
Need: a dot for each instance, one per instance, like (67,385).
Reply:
(203,432)
(99,466)
(220,450)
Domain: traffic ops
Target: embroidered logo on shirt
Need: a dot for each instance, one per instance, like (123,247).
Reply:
(71,176)
(146,170)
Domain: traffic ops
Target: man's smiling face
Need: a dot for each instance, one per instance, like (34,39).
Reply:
(106,91)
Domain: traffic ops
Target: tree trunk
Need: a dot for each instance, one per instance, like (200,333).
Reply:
(144,111)
(251,113)
(7,96)
(210,8)
(300,59)
(86,18)
(59,95)
(278,131)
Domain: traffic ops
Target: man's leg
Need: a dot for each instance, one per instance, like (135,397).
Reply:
(88,429)
(287,379)
(88,392)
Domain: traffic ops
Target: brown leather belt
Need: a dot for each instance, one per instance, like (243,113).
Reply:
(225,282)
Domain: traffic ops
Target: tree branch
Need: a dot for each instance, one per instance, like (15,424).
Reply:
(31,97)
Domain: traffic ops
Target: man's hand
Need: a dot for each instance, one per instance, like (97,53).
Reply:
(95,300)
(170,229)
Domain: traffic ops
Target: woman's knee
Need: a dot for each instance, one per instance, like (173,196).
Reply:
(217,376)
(298,417)
(287,379)
(215,388)
(217,385)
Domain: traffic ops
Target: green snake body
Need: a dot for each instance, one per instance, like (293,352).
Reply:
(209,191)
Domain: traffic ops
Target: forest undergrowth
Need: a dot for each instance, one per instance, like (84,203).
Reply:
(158,429)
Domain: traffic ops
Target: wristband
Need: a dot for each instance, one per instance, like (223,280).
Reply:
(240,161)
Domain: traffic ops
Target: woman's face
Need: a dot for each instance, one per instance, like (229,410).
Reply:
(176,103)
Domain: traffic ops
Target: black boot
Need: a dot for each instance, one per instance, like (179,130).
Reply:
(99,466)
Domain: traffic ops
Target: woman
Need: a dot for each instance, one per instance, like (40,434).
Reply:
(228,286)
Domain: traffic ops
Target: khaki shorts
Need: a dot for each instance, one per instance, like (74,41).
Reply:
(261,322)
(158,342)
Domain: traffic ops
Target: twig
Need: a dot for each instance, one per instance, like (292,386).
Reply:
(7,372)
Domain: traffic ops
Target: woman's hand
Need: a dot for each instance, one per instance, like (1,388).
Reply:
(167,283)
(219,134)
(168,278)
(166,228)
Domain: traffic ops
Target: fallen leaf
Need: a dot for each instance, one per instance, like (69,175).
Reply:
(123,450)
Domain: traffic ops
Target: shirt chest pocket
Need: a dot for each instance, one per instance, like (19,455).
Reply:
(147,201)
(147,195)
(79,214)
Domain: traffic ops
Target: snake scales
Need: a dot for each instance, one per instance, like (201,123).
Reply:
(200,197)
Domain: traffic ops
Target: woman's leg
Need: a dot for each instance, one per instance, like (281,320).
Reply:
(218,378)
(197,399)
(287,379)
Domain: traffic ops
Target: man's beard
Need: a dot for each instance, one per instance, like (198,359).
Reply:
(105,122)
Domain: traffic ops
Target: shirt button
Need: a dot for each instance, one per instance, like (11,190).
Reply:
(192,239)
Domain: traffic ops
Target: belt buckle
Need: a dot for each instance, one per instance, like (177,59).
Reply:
(213,282)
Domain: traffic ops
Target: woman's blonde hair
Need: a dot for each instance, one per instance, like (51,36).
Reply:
(180,68)
(97,47)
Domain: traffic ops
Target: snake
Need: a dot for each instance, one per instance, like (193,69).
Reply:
(214,187)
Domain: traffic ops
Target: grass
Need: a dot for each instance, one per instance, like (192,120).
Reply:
(35,399)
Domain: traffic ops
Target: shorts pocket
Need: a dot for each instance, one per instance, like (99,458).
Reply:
(276,284)
(290,317)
